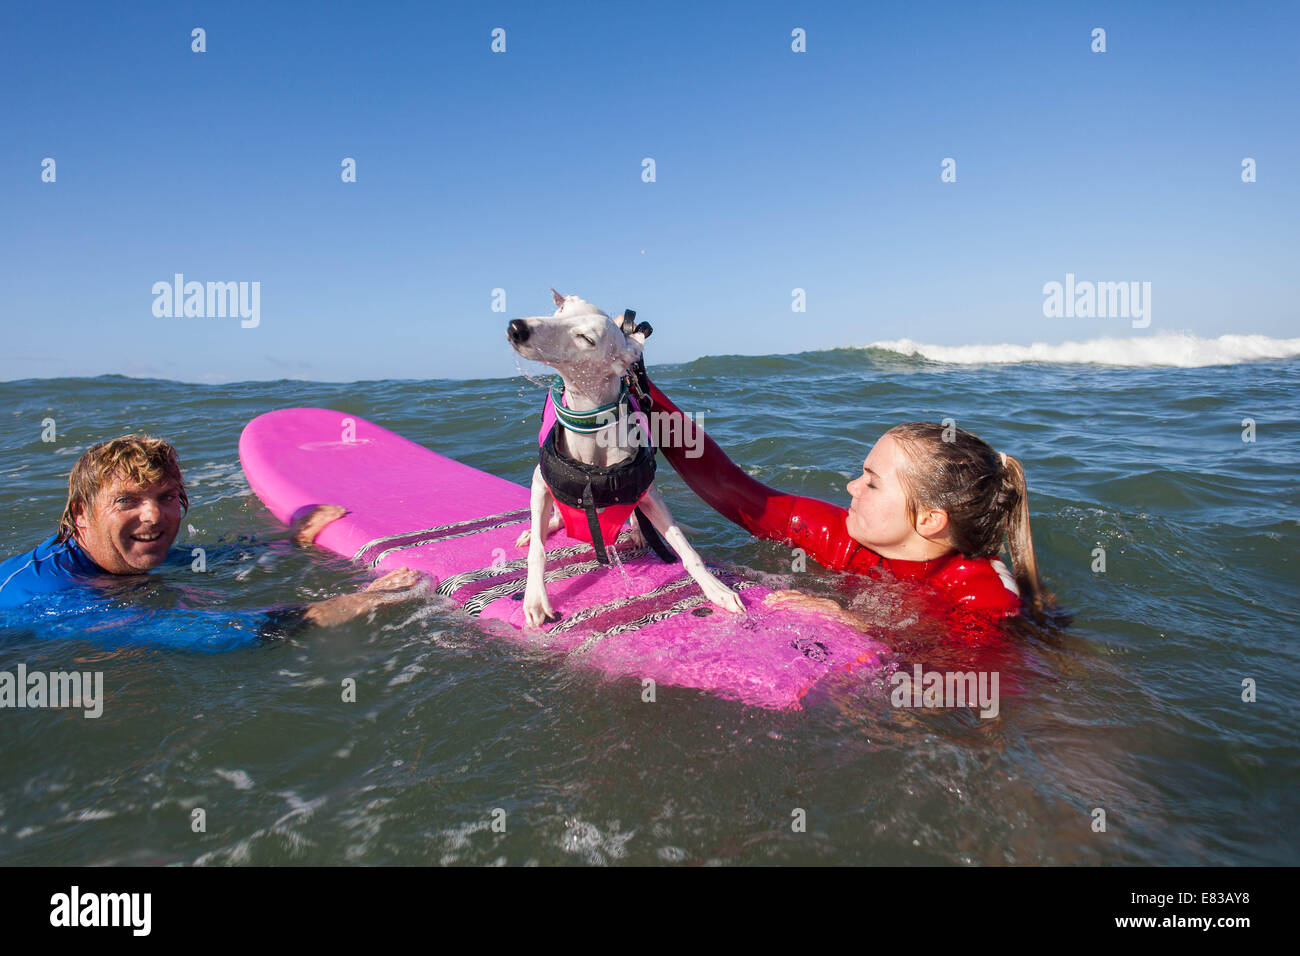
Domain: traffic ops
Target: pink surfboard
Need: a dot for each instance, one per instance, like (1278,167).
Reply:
(641,618)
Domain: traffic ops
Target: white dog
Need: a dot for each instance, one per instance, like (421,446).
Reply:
(592,352)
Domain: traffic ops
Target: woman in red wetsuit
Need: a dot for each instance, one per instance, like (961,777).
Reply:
(932,505)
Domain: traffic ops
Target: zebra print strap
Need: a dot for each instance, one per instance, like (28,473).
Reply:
(456,582)
(374,551)
(687,604)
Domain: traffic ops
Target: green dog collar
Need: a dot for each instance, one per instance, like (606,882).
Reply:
(587,422)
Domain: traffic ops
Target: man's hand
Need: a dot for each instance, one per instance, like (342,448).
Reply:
(306,528)
(400,585)
(398,580)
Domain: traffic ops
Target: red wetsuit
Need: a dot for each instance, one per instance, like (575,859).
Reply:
(977,590)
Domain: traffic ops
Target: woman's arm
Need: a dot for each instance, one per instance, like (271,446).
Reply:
(762,511)
(811,524)
(965,627)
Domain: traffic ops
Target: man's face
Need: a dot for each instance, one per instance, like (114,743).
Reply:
(129,526)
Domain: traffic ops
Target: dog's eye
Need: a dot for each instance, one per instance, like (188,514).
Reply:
(585,338)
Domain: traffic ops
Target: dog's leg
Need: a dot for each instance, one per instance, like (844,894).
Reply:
(636,537)
(537,603)
(553,524)
(657,511)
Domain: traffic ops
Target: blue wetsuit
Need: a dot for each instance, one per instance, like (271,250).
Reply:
(50,566)
(57,590)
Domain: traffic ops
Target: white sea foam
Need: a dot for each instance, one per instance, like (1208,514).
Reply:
(239,778)
(1176,349)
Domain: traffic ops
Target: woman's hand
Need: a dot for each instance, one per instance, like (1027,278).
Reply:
(798,601)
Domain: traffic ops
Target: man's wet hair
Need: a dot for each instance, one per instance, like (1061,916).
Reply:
(141,458)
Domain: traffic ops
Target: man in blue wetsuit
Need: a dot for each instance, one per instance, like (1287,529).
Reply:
(125,502)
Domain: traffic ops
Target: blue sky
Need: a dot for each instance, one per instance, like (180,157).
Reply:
(775,170)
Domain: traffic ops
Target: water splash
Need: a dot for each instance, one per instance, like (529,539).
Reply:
(616,562)
(535,378)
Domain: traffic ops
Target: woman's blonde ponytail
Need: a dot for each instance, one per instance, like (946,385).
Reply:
(1020,541)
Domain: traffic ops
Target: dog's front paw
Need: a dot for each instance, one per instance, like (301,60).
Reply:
(524,538)
(723,597)
(537,609)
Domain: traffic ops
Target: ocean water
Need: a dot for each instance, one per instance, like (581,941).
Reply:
(1132,706)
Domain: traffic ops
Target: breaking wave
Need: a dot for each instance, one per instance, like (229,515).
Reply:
(1176,349)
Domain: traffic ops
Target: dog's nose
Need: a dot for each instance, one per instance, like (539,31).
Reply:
(517,331)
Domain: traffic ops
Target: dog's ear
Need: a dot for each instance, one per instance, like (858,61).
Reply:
(559,299)
(629,352)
